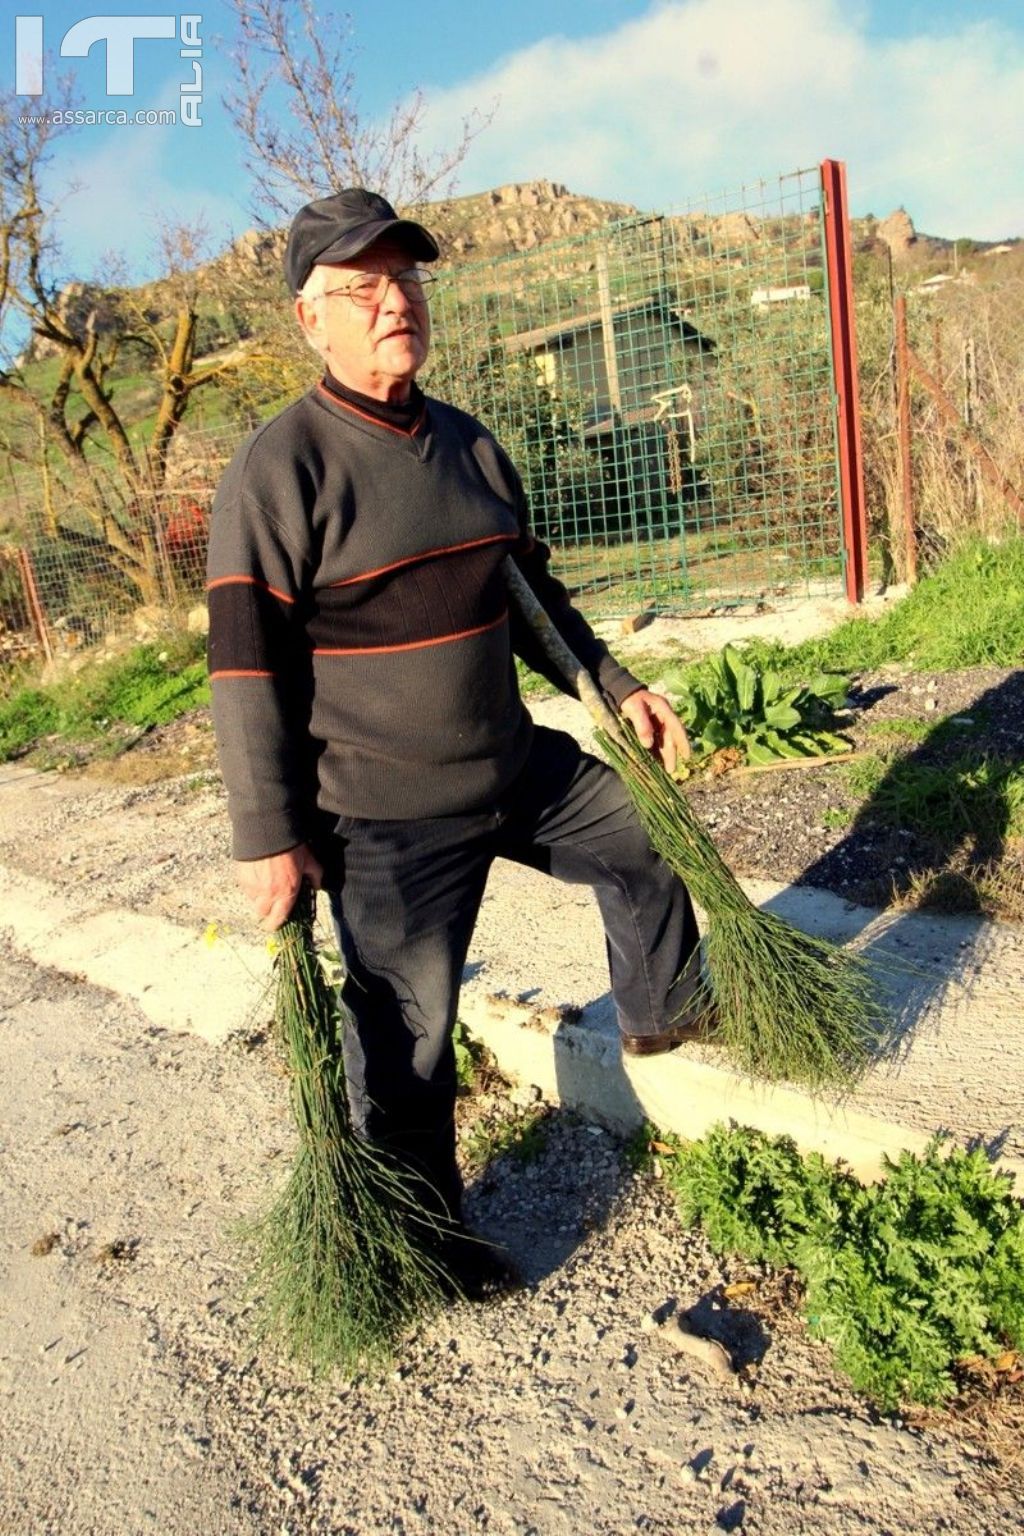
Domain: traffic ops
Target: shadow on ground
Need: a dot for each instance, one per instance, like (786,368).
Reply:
(943,821)
(543,1198)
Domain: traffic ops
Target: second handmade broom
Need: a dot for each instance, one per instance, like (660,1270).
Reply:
(788,1005)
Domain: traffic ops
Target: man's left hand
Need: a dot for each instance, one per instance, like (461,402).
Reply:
(657,726)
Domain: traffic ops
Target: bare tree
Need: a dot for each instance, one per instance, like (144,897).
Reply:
(299,118)
(108,475)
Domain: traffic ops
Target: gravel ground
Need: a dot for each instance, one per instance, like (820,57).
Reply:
(134,1400)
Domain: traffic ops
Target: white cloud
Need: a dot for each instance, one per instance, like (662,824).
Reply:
(699,95)
(118,195)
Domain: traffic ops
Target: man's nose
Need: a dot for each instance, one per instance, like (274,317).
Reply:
(395,300)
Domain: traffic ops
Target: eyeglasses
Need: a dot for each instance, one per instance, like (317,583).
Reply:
(370,288)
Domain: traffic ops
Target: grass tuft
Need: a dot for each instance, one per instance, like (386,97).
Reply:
(975,794)
(148,686)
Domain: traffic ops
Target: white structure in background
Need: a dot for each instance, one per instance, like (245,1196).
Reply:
(800,292)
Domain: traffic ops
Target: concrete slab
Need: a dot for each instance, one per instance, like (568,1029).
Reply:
(179,980)
(956,986)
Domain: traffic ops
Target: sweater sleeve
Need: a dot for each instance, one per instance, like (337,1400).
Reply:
(259,670)
(533,558)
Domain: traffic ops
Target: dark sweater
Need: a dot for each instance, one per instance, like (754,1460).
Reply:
(361,642)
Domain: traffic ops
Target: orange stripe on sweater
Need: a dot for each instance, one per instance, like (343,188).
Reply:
(410,645)
(228,672)
(248,581)
(375,420)
(427,554)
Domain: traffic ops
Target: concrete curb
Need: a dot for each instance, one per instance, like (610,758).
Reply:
(180,982)
(581,1066)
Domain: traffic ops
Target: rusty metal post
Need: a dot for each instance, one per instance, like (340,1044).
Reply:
(970,370)
(844,369)
(35,607)
(903,432)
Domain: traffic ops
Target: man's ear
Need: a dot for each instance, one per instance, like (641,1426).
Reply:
(310,316)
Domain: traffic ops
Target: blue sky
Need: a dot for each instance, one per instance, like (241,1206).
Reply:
(650,103)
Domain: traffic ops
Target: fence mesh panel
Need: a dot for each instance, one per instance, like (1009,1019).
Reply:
(664,385)
(86,556)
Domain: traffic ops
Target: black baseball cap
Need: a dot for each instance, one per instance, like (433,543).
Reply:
(337,228)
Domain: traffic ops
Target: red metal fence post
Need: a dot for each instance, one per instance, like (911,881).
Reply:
(844,364)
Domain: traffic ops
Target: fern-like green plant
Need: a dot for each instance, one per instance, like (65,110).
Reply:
(735,703)
(903,1277)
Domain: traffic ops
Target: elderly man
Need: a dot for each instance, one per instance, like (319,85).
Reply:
(370,728)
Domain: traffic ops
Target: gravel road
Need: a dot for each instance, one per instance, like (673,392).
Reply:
(133,1399)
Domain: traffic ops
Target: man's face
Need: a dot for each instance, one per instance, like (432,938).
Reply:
(377,350)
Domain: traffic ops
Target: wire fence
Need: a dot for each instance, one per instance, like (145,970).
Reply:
(948,455)
(664,384)
(89,557)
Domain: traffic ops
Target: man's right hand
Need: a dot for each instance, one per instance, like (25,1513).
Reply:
(273,883)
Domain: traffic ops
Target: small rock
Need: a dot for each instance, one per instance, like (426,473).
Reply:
(708,1351)
(525,1095)
(930,704)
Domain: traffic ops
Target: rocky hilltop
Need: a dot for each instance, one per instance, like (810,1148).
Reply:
(524,215)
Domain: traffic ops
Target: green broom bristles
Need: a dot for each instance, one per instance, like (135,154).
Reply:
(343,1263)
(788,1005)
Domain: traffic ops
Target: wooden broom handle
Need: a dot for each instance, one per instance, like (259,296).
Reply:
(558,652)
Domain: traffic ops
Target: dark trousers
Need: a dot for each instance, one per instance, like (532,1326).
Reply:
(409,896)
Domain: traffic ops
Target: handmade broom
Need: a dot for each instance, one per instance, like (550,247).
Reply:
(344,1257)
(787,1005)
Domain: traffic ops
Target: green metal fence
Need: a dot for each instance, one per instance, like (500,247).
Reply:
(665,386)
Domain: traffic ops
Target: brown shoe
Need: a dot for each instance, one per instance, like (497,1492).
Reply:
(703,1027)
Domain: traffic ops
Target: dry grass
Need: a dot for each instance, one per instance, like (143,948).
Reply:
(992,888)
(970,338)
(987,1412)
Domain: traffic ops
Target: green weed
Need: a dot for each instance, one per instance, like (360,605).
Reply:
(26,716)
(522,1138)
(737,703)
(903,1278)
(469,1057)
(973,795)
(864,774)
(902,730)
(148,686)
(835,818)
